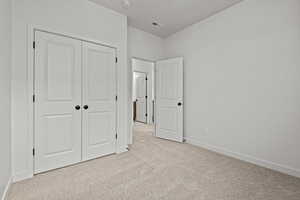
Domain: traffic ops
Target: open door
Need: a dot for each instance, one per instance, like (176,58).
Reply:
(169,99)
(141,96)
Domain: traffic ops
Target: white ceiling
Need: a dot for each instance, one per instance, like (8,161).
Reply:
(173,15)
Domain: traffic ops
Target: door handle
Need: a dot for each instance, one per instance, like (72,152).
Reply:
(85,107)
(179,104)
(77,107)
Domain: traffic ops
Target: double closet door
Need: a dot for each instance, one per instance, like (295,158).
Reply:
(75,104)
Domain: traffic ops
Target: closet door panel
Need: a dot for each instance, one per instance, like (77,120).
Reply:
(57,92)
(99,91)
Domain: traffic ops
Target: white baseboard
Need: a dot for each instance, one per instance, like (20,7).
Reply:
(6,189)
(122,149)
(263,163)
(22,176)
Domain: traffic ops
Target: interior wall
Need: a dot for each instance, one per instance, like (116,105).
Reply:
(242,84)
(80,18)
(145,46)
(5,94)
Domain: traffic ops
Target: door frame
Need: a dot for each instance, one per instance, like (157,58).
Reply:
(31,29)
(131,122)
(146,94)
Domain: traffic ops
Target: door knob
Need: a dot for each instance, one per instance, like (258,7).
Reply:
(77,107)
(85,107)
(179,104)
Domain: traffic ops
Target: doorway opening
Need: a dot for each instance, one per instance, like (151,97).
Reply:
(157,100)
(143,97)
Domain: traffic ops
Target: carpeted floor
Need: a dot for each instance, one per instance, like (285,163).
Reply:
(159,169)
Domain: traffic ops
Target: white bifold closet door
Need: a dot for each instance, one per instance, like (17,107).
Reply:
(75,107)
(169,99)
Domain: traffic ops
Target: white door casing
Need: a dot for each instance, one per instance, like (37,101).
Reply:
(99,94)
(57,91)
(169,99)
(141,96)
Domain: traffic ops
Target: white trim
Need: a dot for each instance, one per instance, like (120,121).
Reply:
(9,182)
(142,59)
(122,149)
(131,122)
(247,158)
(30,90)
(68,34)
(22,176)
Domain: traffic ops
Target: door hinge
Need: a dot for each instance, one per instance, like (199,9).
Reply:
(33,151)
(116,136)
(146,96)
(33,98)
(116,59)
(146,114)
(146,79)
(116,97)
(33,44)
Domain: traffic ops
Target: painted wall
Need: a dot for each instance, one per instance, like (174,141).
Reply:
(144,45)
(242,83)
(76,17)
(5,94)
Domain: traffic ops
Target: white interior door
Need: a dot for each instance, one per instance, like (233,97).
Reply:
(169,99)
(141,96)
(99,101)
(58,91)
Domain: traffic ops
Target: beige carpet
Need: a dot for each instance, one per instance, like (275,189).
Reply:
(159,169)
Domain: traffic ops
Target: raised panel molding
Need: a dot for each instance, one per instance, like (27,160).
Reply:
(60,69)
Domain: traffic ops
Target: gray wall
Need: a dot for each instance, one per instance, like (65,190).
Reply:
(242,82)
(5,68)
